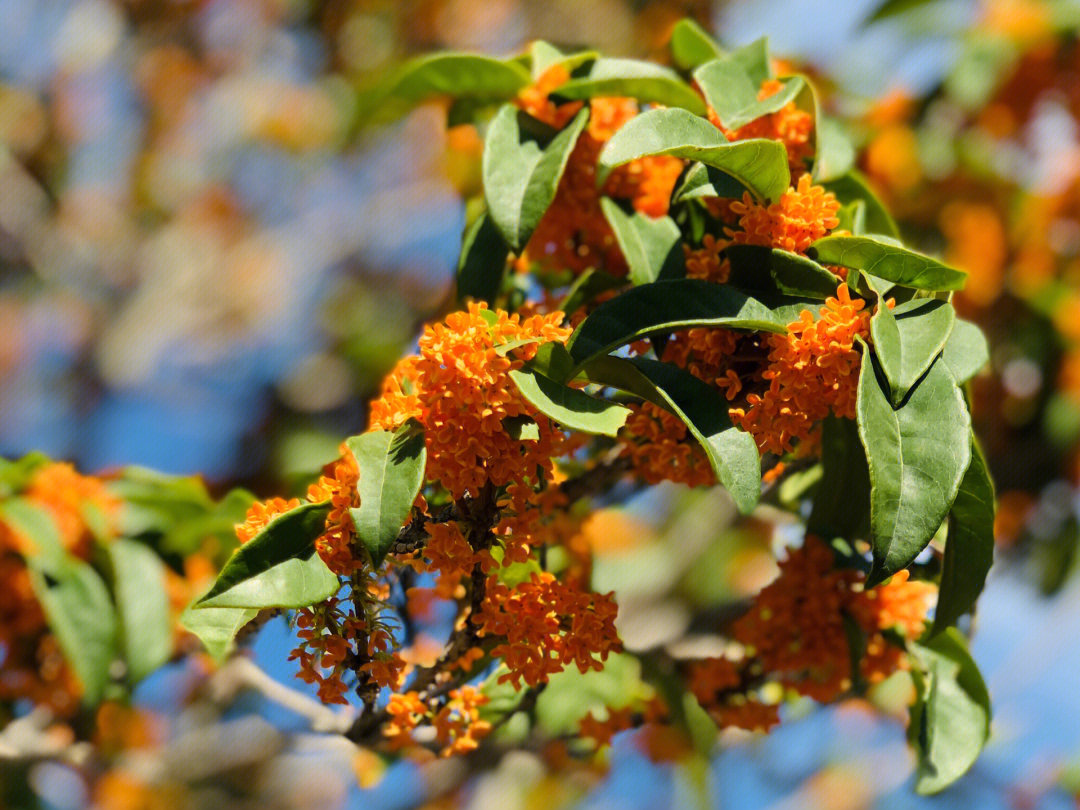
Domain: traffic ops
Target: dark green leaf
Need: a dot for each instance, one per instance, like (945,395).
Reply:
(143,606)
(521,171)
(854,186)
(835,154)
(664,306)
(691,45)
(458,75)
(81,615)
(586,287)
(891,8)
(278,567)
(757,268)
(917,455)
(890,262)
(759,164)
(483,261)
(966,351)
(701,182)
(842,502)
(950,720)
(969,549)
(733,94)
(908,339)
(569,407)
(731,452)
(216,628)
(651,247)
(391,474)
(646,81)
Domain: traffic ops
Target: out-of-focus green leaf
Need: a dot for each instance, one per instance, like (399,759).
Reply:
(138,579)
(586,287)
(691,45)
(759,164)
(522,170)
(731,452)
(391,465)
(646,81)
(651,247)
(279,567)
(969,550)
(852,187)
(35,524)
(888,261)
(835,154)
(908,339)
(917,455)
(950,720)
(15,475)
(544,55)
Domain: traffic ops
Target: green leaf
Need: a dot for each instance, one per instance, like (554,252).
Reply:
(521,428)
(966,351)
(754,59)
(917,455)
(16,475)
(216,628)
(138,579)
(521,171)
(892,8)
(36,524)
(842,502)
(759,164)
(665,306)
(391,473)
(852,217)
(757,268)
(691,45)
(854,186)
(969,549)
(651,247)
(835,154)
(188,535)
(950,721)
(733,94)
(645,81)
(458,75)
(731,452)
(569,407)
(278,567)
(586,287)
(483,261)
(81,615)
(544,55)
(701,182)
(885,260)
(908,339)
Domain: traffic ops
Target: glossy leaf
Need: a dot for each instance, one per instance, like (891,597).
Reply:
(521,170)
(731,452)
(142,604)
(854,186)
(701,182)
(759,164)
(646,81)
(888,261)
(216,628)
(691,45)
(570,407)
(458,75)
(652,247)
(482,264)
(917,455)
(908,338)
(664,306)
(278,567)
(966,351)
(757,268)
(969,549)
(733,94)
(586,287)
(842,500)
(391,468)
(950,720)
(80,614)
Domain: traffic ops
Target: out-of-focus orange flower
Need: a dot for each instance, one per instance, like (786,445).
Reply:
(976,245)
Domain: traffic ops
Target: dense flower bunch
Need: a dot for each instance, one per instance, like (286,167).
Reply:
(32,665)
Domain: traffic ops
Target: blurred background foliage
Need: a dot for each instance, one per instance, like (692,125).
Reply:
(210,255)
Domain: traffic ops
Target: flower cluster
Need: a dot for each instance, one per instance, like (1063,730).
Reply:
(796,624)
